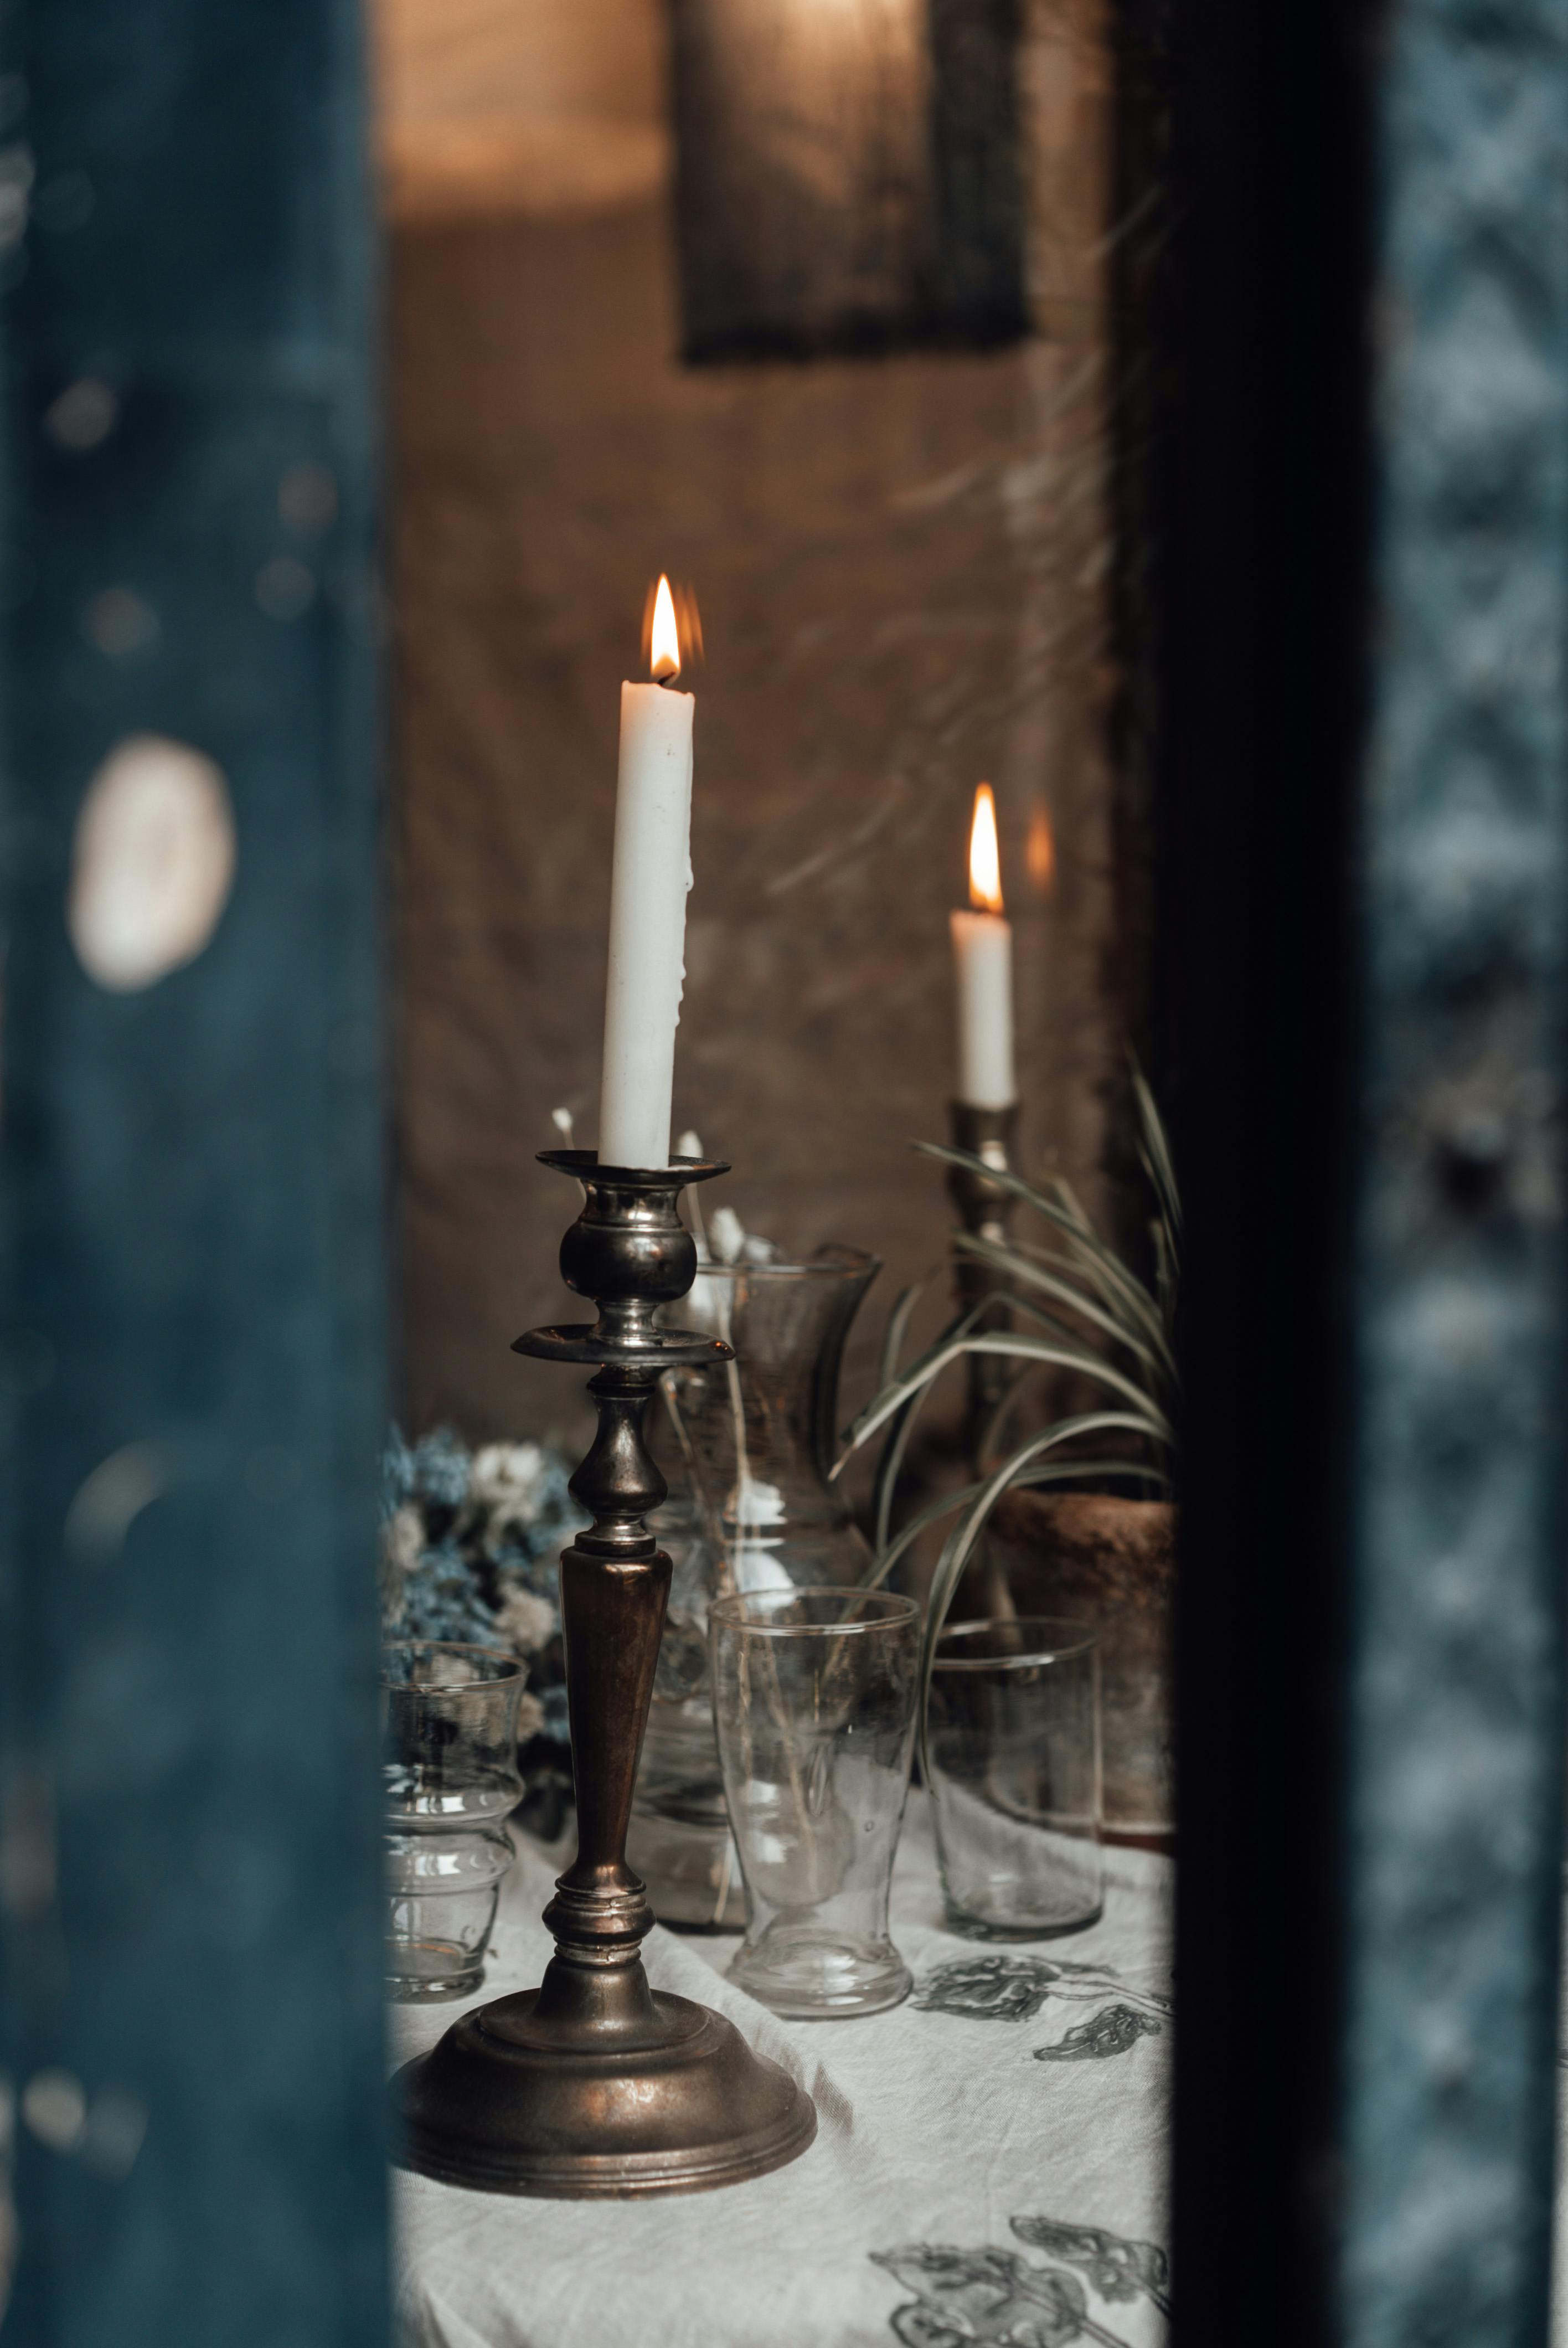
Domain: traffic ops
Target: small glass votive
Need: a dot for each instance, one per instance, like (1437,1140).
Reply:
(1012,1737)
(449,1779)
(814,1703)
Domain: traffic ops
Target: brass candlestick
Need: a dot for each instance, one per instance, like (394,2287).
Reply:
(594,2084)
(984,1208)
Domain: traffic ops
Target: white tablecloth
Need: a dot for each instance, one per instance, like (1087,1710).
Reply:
(989,2166)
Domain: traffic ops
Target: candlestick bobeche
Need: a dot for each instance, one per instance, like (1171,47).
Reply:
(594,2084)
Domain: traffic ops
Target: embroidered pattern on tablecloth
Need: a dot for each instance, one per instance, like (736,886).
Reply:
(992,2295)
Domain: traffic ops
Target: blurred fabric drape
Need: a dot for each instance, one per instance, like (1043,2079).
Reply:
(1367,888)
(192,1363)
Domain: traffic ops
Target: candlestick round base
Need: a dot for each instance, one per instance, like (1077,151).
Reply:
(510,2101)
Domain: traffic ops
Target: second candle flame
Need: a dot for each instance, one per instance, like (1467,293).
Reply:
(985,860)
(664,646)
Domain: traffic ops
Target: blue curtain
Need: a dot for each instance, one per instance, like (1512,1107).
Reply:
(192,1363)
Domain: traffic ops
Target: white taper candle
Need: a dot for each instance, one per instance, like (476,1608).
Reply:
(652,872)
(982,954)
(982,960)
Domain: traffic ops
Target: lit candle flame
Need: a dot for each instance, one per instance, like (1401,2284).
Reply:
(664,651)
(985,860)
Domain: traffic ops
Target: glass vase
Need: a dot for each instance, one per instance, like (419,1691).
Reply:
(814,1704)
(750,1508)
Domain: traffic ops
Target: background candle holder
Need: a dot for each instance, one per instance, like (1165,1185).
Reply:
(985,1211)
(595,2084)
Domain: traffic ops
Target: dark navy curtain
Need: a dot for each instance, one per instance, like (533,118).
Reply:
(193,1277)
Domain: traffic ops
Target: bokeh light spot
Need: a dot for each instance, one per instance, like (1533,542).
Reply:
(154,863)
(285,588)
(307,498)
(118,622)
(85,414)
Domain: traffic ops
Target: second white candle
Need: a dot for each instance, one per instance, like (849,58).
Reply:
(982,964)
(982,955)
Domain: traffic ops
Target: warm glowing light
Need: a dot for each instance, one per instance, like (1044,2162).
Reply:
(664,650)
(672,631)
(985,861)
(1041,851)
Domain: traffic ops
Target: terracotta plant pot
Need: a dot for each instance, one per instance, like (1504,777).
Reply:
(1113,1563)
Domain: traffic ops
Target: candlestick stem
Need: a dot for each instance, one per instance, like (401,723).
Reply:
(594,2084)
(984,1207)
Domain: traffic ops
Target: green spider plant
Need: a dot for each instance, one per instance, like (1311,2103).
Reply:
(1076,1306)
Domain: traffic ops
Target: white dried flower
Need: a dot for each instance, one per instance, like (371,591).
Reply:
(530,1717)
(506,1479)
(726,1234)
(526,1622)
(401,1547)
(403,1541)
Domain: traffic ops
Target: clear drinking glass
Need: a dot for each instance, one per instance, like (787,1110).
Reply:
(1012,1737)
(750,1506)
(814,1704)
(450,1778)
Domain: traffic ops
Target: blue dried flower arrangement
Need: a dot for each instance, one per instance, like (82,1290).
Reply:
(469,1547)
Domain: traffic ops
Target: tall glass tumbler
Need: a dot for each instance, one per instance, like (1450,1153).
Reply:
(1012,1736)
(449,1779)
(814,1704)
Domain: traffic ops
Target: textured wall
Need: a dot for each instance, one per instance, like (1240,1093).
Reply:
(901,569)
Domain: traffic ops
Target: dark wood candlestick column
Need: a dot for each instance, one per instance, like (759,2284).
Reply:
(594,2084)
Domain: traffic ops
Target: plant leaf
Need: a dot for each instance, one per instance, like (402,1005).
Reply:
(959,1544)
(1013,1346)
(992,1431)
(892,1454)
(891,1458)
(991,1434)
(1037,1313)
(1165,1282)
(1146,1315)
(945,1580)
(1069,1471)
(1116,1325)
(1071,1201)
(1099,1263)
(889,1461)
(1084,1242)
(917,1374)
(1059,1472)
(898,1328)
(1161,1164)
